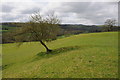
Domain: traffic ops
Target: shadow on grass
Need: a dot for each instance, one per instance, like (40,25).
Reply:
(54,52)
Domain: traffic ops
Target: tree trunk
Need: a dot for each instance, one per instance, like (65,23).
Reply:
(47,49)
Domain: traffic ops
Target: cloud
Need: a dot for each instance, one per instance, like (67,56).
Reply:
(7,8)
(94,12)
(60,0)
(69,12)
(119,13)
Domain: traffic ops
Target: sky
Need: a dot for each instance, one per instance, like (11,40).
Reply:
(69,12)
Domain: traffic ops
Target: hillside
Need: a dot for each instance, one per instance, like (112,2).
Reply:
(65,30)
(93,55)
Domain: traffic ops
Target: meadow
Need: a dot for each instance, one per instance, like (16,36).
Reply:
(90,55)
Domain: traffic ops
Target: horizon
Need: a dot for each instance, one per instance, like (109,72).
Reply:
(60,23)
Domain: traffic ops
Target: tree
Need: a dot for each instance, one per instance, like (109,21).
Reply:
(110,23)
(38,28)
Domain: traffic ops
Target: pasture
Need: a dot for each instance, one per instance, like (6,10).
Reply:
(92,55)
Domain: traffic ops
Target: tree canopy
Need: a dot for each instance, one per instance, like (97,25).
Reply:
(110,23)
(38,28)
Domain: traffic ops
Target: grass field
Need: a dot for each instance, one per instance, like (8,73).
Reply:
(93,55)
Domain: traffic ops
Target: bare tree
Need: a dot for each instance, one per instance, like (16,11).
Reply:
(110,23)
(39,28)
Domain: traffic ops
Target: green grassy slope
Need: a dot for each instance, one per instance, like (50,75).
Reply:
(93,55)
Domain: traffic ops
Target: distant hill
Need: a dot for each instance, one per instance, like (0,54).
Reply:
(66,29)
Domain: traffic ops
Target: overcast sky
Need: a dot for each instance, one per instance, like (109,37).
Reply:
(89,13)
